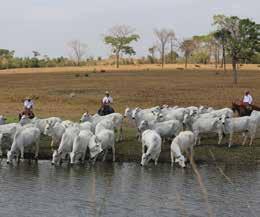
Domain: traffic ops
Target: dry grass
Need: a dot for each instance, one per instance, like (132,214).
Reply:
(142,86)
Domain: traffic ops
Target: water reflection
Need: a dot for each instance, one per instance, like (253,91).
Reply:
(126,189)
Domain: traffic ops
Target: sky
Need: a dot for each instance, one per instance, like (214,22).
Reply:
(48,25)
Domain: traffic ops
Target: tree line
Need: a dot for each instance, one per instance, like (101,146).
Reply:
(233,40)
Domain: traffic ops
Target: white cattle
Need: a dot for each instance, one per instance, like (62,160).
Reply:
(55,131)
(24,137)
(202,125)
(149,114)
(116,118)
(151,142)
(66,145)
(67,123)
(39,123)
(8,131)
(227,112)
(255,115)
(172,114)
(183,143)
(166,129)
(103,141)
(246,125)
(2,120)
(80,145)
(104,124)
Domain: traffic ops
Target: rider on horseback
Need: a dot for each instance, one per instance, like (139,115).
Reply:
(28,108)
(106,105)
(247,99)
(107,100)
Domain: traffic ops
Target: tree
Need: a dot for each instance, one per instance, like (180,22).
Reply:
(152,51)
(36,53)
(119,38)
(163,36)
(78,51)
(172,39)
(242,39)
(220,35)
(187,47)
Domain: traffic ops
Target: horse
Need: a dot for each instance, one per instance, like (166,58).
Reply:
(105,110)
(27,112)
(244,110)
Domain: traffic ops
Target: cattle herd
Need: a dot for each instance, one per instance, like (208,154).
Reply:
(96,134)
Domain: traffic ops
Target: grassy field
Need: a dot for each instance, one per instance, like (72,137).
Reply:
(133,86)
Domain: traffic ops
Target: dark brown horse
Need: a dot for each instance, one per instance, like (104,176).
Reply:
(27,112)
(244,110)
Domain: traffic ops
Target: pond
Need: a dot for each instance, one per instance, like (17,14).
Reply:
(127,189)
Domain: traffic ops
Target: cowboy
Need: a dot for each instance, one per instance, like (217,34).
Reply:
(248,99)
(107,100)
(28,103)
(106,105)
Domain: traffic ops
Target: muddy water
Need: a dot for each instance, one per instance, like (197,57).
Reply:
(126,189)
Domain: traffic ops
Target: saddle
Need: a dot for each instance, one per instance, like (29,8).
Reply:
(28,113)
(105,110)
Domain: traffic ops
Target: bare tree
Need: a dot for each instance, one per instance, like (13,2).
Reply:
(78,50)
(163,36)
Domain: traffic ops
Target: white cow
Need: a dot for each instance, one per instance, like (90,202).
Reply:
(116,118)
(67,123)
(151,142)
(183,143)
(227,112)
(39,123)
(246,125)
(166,129)
(172,114)
(202,125)
(66,145)
(24,137)
(103,141)
(104,124)
(149,114)
(8,131)
(55,131)
(80,145)
(255,115)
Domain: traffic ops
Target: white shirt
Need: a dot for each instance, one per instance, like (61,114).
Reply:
(107,100)
(248,99)
(28,104)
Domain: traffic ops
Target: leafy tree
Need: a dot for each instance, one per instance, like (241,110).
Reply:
(152,51)
(171,57)
(119,38)
(187,47)
(242,39)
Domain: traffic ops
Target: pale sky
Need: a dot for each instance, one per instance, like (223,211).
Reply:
(47,25)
